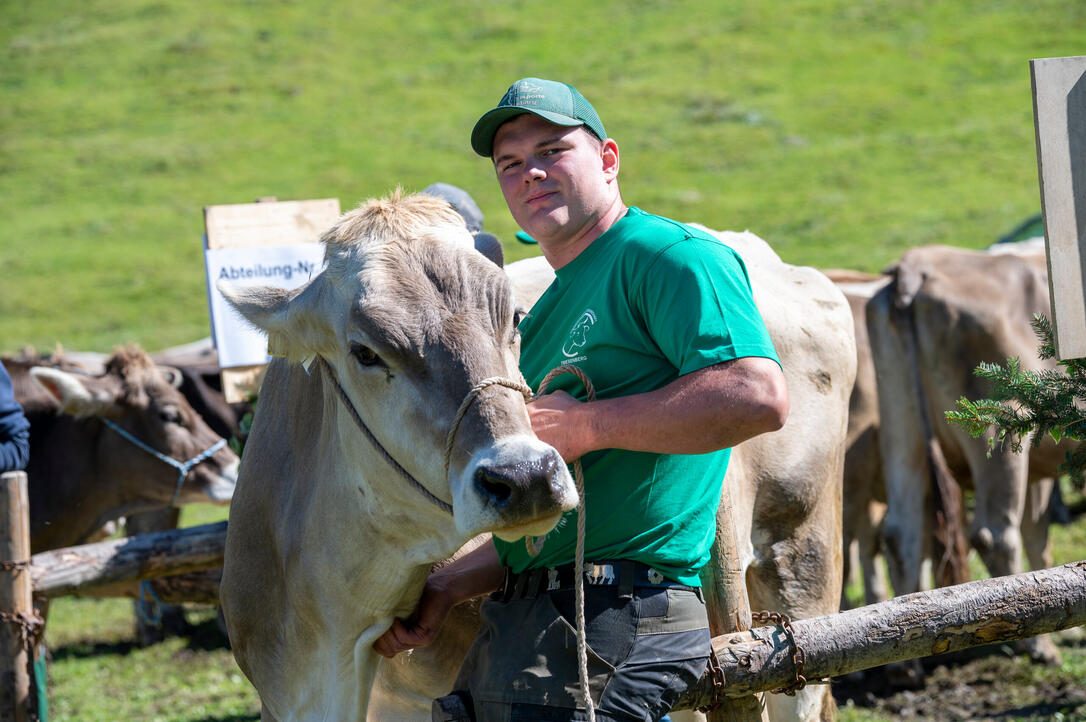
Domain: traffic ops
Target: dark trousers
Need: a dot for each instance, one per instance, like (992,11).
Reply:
(645,647)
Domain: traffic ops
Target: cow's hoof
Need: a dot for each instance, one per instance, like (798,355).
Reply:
(170,622)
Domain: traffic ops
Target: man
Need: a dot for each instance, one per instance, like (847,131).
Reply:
(14,428)
(660,317)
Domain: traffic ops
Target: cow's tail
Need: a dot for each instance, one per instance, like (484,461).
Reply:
(952,549)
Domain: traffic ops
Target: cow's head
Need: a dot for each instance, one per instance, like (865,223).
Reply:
(410,318)
(142,400)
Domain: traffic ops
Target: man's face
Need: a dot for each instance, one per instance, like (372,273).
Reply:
(556,180)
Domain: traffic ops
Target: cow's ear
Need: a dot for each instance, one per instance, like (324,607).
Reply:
(489,245)
(293,319)
(76,395)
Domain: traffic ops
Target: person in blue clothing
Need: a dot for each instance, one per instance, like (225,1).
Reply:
(14,428)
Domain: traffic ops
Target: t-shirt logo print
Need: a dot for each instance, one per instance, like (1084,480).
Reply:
(578,335)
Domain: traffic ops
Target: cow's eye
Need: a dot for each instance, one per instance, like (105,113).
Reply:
(169,415)
(365,355)
(518,315)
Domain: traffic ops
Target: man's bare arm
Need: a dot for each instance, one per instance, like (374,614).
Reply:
(713,408)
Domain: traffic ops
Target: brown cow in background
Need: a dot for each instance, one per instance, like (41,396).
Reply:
(945,311)
(84,472)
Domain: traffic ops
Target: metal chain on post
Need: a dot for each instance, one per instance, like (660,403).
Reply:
(19,625)
(799,657)
(30,626)
(716,676)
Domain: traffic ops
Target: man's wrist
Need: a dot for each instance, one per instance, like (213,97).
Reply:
(460,585)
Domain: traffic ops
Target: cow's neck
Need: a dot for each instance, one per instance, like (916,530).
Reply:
(368,559)
(65,513)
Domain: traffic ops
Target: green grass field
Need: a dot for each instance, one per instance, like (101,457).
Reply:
(842,131)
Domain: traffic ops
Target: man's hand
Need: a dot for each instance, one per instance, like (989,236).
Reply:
(556,421)
(471,575)
(715,407)
(422,627)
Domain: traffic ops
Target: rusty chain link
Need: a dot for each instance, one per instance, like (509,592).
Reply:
(716,675)
(798,655)
(30,626)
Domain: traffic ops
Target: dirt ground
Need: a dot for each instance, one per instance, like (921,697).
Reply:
(990,683)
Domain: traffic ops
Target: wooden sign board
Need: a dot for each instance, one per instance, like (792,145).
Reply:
(238,242)
(1059,111)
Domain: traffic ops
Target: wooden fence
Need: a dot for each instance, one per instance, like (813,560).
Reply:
(752,661)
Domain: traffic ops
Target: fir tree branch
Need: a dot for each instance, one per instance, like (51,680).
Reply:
(1025,403)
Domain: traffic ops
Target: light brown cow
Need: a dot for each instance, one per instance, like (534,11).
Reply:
(93,446)
(786,485)
(346,493)
(947,310)
(864,492)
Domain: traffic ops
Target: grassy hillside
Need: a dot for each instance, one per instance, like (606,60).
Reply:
(841,131)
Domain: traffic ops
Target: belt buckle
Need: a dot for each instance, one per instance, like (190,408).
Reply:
(599,573)
(507,586)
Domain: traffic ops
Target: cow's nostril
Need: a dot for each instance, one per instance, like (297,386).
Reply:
(493,487)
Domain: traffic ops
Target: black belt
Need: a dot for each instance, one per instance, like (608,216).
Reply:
(624,574)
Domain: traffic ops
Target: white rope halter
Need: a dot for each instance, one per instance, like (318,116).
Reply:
(182,467)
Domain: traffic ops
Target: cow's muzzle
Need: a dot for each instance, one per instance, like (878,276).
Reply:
(517,486)
(529,485)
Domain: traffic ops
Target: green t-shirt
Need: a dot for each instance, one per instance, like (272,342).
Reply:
(648,301)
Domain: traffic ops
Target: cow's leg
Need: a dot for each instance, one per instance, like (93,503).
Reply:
(865,529)
(999,520)
(868,542)
(902,446)
(800,575)
(1035,520)
(854,522)
(1000,496)
(906,526)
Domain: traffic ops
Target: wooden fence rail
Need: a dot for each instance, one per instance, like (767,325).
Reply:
(944,620)
(80,569)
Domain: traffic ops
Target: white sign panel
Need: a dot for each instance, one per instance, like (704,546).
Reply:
(238,343)
(1059,106)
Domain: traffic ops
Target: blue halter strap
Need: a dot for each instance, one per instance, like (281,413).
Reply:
(182,467)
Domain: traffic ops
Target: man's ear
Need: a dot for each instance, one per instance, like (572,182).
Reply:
(609,156)
(77,395)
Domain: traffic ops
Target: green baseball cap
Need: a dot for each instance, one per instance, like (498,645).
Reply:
(558,103)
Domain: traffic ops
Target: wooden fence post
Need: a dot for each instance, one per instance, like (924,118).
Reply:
(17,627)
(729,608)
